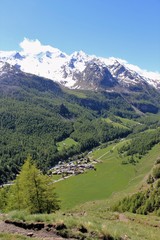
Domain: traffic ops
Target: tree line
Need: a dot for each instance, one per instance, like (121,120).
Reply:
(144,202)
(141,143)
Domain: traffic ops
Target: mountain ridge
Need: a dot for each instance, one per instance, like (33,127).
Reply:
(78,70)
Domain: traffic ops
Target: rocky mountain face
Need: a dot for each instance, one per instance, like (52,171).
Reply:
(138,94)
(81,71)
(13,81)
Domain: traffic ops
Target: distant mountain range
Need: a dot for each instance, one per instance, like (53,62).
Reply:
(81,71)
(46,68)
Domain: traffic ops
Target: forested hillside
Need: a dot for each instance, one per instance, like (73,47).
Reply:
(36,114)
(34,125)
(144,202)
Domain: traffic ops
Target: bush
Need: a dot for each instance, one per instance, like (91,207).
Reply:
(157,160)
(156,172)
(150,179)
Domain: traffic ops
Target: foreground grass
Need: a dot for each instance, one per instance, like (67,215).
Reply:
(87,200)
(102,188)
(99,223)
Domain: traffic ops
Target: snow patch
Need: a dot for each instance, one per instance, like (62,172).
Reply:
(49,62)
(142,72)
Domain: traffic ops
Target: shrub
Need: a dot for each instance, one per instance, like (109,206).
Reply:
(156,172)
(157,160)
(150,179)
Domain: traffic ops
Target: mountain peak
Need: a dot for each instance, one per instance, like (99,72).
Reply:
(71,70)
(79,54)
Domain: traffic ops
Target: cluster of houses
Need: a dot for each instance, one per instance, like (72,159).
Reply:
(73,168)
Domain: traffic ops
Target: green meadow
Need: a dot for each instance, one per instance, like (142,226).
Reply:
(127,122)
(68,142)
(110,178)
(115,124)
(122,122)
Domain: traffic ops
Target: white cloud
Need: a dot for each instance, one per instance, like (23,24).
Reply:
(31,46)
(34,46)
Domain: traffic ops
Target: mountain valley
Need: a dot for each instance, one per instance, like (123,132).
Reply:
(61,109)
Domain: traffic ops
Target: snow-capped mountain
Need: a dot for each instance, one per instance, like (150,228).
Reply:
(77,70)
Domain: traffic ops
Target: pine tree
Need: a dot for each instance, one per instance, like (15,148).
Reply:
(32,191)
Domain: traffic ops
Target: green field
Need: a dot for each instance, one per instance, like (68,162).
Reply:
(68,142)
(128,122)
(115,124)
(122,122)
(110,178)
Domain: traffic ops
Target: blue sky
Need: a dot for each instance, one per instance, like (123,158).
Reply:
(127,29)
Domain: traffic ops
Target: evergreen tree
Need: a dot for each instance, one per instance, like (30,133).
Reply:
(32,191)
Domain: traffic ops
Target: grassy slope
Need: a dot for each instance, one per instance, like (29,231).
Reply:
(101,189)
(110,177)
(122,122)
(134,227)
(104,187)
(115,124)
(68,142)
(95,217)
(128,122)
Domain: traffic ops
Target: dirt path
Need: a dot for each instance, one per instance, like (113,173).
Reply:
(41,234)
